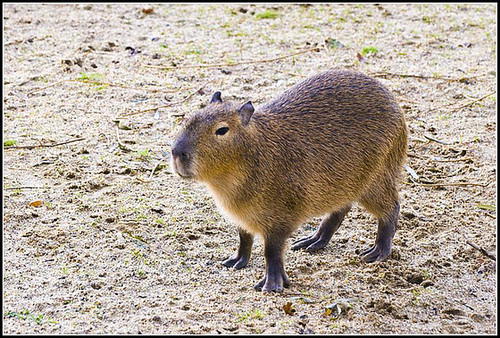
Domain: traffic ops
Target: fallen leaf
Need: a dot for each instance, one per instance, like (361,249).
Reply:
(124,126)
(303,299)
(36,203)
(411,171)
(149,10)
(288,308)
(333,310)
(361,58)
(336,308)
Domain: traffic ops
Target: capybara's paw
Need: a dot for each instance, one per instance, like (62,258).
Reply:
(236,261)
(266,286)
(375,253)
(310,243)
(260,284)
(273,283)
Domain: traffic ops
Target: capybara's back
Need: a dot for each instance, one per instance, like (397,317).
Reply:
(340,134)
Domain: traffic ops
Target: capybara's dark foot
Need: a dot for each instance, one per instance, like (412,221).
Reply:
(322,236)
(240,259)
(273,283)
(237,261)
(275,277)
(386,229)
(310,243)
(375,253)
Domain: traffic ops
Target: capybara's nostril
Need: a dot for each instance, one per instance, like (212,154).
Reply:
(180,153)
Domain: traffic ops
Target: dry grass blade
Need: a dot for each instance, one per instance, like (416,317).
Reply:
(154,169)
(111,84)
(465,159)
(25,187)
(120,144)
(46,87)
(411,171)
(454,109)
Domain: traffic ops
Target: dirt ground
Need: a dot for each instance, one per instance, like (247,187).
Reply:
(99,236)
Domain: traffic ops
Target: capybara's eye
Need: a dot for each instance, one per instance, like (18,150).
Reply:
(221,131)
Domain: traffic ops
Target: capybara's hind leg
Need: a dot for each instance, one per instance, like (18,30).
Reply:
(386,229)
(382,200)
(322,236)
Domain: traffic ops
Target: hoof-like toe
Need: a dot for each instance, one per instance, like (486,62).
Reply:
(374,253)
(236,262)
(311,243)
(277,285)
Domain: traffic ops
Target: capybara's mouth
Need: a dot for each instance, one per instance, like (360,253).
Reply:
(185,176)
(179,169)
(182,172)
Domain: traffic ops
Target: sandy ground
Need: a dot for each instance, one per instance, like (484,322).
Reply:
(99,237)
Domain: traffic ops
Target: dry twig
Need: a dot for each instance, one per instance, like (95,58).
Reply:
(434,185)
(453,109)
(45,145)
(234,63)
(482,250)
(102,83)
(167,105)
(452,79)
(472,102)
(120,144)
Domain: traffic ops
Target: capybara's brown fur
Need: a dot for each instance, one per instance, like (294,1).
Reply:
(336,138)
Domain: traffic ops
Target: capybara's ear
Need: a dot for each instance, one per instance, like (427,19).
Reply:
(216,97)
(246,112)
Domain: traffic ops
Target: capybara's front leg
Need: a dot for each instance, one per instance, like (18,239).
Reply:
(275,276)
(240,259)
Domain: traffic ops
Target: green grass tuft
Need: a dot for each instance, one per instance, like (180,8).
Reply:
(9,143)
(367,51)
(267,15)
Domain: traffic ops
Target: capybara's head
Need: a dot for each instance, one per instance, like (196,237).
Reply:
(212,141)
